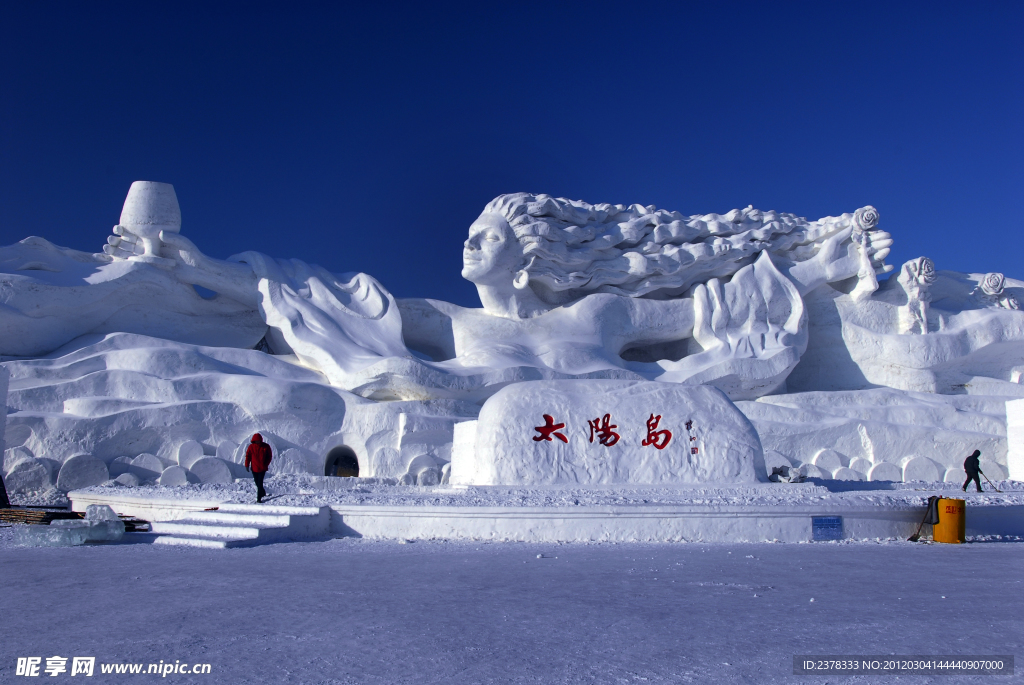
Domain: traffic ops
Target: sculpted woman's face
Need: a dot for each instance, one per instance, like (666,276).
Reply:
(491,255)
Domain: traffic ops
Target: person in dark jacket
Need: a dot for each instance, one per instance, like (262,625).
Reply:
(258,455)
(973,467)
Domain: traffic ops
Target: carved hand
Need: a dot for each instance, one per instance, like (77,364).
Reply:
(165,249)
(141,242)
(878,245)
(840,256)
(173,251)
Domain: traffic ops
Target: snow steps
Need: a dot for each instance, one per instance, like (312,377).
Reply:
(244,525)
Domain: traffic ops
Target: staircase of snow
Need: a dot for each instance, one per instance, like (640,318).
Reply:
(244,525)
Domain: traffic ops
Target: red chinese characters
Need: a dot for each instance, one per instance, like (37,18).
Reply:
(548,429)
(606,435)
(603,429)
(659,438)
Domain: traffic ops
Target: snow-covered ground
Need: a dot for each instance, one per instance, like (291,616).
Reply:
(302,490)
(360,611)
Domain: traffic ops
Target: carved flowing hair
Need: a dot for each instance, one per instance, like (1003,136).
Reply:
(574,248)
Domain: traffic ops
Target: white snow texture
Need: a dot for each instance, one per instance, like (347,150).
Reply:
(118,365)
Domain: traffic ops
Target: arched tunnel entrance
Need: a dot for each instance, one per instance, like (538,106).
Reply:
(341,461)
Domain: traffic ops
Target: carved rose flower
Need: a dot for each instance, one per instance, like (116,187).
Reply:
(866,218)
(992,284)
(925,270)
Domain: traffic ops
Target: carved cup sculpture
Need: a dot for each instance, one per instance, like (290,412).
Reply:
(150,207)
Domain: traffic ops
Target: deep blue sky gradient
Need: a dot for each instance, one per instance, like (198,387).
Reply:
(367,136)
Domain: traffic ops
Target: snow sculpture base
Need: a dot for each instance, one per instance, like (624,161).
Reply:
(598,432)
(783,512)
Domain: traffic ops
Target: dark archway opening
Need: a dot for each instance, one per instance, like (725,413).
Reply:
(341,461)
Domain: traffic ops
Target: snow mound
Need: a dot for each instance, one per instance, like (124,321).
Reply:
(81,471)
(123,395)
(126,395)
(607,432)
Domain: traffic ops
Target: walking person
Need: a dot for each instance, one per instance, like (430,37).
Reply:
(258,455)
(973,467)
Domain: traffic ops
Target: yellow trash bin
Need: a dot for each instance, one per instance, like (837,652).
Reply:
(952,523)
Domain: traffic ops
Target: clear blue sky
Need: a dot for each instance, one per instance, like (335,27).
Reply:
(367,136)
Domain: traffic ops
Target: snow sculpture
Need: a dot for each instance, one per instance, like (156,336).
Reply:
(127,479)
(149,209)
(147,467)
(211,470)
(173,475)
(845,473)
(25,474)
(957,476)
(568,289)
(990,292)
(119,466)
(920,468)
(188,453)
(597,432)
(292,461)
(786,316)
(81,471)
(828,460)
(916,276)
(885,471)
(53,295)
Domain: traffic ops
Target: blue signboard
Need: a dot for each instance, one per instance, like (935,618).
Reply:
(827,528)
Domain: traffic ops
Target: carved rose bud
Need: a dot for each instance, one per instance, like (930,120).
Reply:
(992,284)
(866,218)
(925,270)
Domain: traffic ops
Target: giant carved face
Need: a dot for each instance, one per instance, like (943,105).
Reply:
(491,255)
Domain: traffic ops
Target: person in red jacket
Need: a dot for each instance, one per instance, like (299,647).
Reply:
(258,455)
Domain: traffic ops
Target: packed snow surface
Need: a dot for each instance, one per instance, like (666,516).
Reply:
(350,611)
